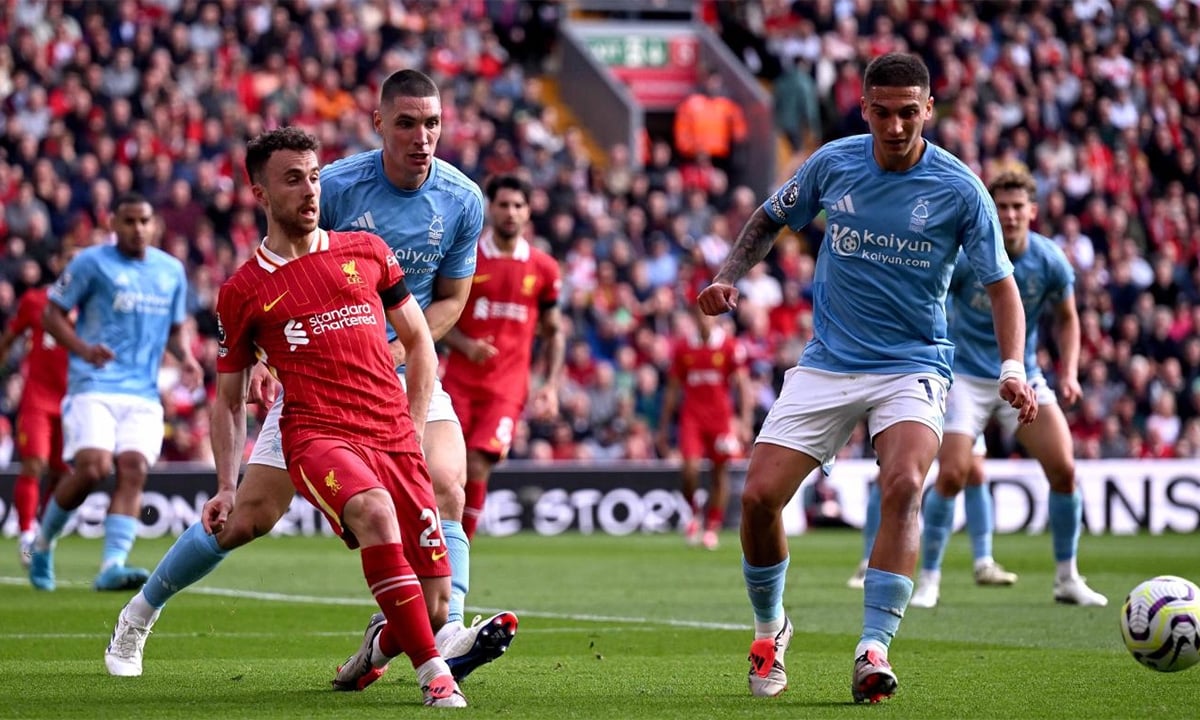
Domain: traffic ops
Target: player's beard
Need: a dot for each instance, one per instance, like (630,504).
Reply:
(292,224)
(507,237)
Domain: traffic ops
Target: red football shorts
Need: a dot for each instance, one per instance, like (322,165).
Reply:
(697,440)
(330,471)
(39,435)
(487,422)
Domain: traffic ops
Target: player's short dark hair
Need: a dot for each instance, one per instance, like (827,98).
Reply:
(496,183)
(407,83)
(131,198)
(896,70)
(260,149)
(1014,180)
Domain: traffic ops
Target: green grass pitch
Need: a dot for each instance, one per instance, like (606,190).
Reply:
(611,627)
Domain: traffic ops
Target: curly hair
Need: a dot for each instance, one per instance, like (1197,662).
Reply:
(260,149)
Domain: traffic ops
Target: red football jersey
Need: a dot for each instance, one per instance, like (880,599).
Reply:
(507,294)
(704,372)
(45,364)
(318,323)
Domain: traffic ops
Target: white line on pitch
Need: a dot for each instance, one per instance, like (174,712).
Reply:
(312,633)
(364,602)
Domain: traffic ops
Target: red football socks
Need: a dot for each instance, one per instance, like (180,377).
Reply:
(398,592)
(476,497)
(25,500)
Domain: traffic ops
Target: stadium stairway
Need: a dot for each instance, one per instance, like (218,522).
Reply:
(552,98)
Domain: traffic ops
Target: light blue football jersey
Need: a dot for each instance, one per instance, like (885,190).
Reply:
(433,230)
(128,305)
(1044,277)
(891,240)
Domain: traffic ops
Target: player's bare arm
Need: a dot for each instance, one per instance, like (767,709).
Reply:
(56,322)
(179,344)
(741,380)
(1008,316)
(670,402)
(477,350)
(1066,333)
(6,343)
(449,298)
(753,244)
(554,353)
(421,359)
(228,439)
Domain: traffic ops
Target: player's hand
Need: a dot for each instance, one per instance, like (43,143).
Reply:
(1069,391)
(98,354)
(191,373)
(1021,396)
(216,511)
(717,298)
(481,350)
(547,398)
(263,385)
(399,354)
(744,433)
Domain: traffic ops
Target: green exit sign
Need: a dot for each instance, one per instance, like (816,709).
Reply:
(630,51)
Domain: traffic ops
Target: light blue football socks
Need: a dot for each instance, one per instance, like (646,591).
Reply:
(459,548)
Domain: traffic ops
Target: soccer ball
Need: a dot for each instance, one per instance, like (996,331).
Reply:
(1160,623)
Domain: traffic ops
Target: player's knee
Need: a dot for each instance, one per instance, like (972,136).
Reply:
(759,501)
(33,466)
(478,466)
(132,469)
(371,516)
(92,471)
(901,491)
(950,482)
(1061,475)
(447,477)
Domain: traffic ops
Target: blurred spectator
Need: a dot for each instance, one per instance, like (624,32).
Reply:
(709,124)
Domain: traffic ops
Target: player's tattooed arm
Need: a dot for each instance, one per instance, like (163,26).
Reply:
(753,244)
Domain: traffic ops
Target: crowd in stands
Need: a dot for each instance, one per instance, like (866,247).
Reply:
(1098,99)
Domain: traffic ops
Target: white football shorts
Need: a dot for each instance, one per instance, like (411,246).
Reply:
(972,401)
(112,422)
(817,410)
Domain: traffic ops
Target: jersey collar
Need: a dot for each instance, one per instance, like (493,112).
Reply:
(716,338)
(488,248)
(270,261)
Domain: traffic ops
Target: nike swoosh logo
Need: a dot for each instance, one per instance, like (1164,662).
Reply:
(439,555)
(400,603)
(267,306)
(482,278)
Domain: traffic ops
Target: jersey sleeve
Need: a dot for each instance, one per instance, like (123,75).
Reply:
(328,206)
(676,370)
(179,300)
(73,285)
(459,261)
(235,348)
(798,201)
(23,319)
(391,276)
(1061,275)
(738,354)
(980,234)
